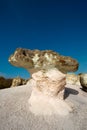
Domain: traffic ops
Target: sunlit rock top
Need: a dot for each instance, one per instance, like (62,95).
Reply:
(34,60)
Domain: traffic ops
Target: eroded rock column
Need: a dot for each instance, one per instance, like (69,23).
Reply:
(48,93)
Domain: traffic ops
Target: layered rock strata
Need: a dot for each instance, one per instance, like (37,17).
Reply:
(48,93)
(50,82)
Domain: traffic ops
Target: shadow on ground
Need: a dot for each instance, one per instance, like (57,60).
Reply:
(84,89)
(69,91)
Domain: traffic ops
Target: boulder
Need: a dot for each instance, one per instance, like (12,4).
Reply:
(18,81)
(35,60)
(83,81)
(73,79)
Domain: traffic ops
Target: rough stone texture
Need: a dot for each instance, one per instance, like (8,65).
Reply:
(18,81)
(12,82)
(83,81)
(50,82)
(34,60)
(48,93)
(5,83)
(73,79)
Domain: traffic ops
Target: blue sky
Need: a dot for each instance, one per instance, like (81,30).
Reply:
(42,24)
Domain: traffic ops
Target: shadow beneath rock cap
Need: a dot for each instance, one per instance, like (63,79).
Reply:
(84,89)
(69,91)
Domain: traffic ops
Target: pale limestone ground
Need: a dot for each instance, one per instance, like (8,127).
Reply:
(15,113)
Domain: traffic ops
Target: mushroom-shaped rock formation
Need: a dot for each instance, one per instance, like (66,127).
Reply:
(47,80)
(34,60)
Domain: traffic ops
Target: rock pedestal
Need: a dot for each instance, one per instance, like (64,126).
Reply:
(48,93)
(47,69)
(50,82)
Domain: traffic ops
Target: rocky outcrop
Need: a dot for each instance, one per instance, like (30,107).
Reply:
(18,81)
(73,79)
(83,81)
(34,60)
(5,83)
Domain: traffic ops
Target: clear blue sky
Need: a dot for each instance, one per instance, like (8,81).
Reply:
(42,24)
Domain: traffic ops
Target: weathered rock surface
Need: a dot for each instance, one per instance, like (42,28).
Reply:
(34,60)
(18,81)
(50,82)
(73,79)
(12,82)
(48,93)
(83,81)
(5,83)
